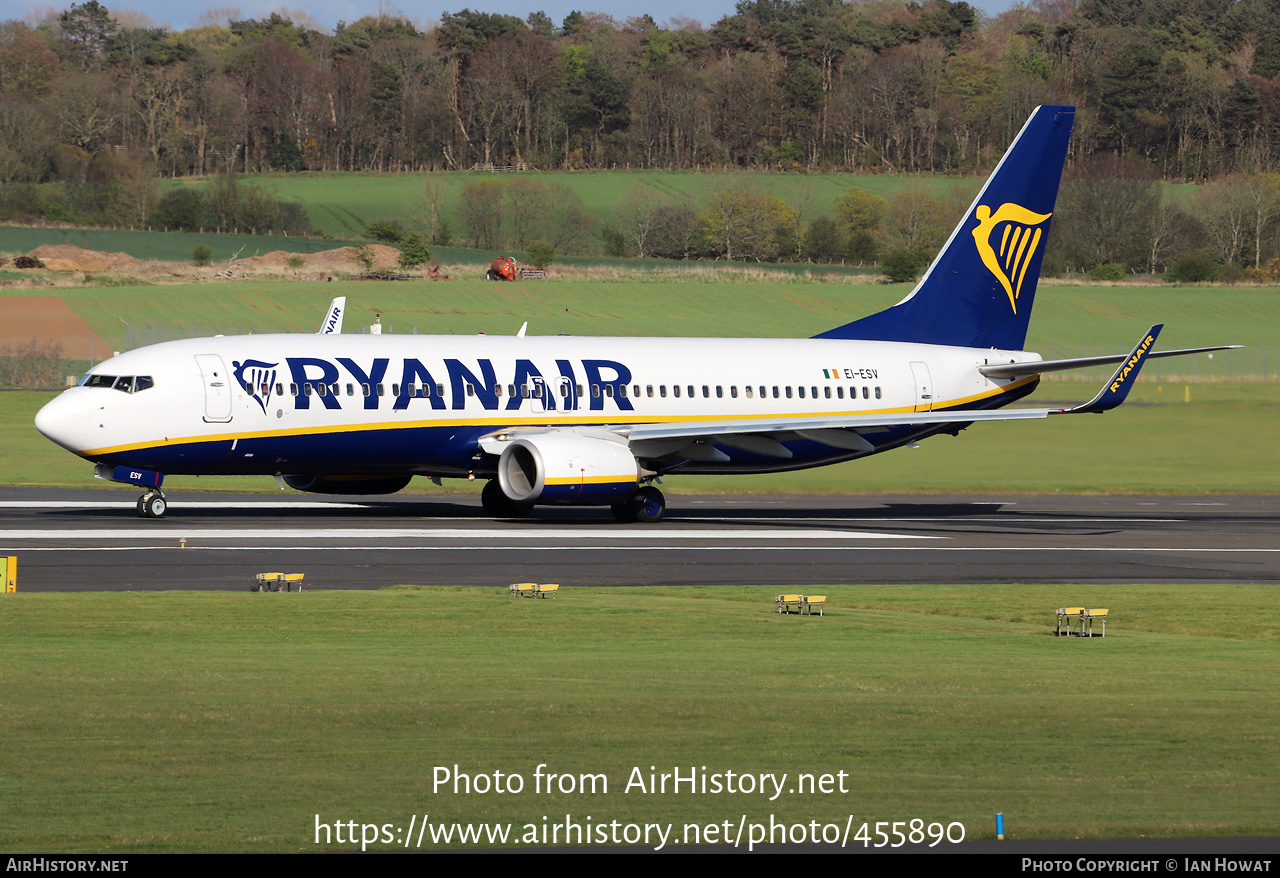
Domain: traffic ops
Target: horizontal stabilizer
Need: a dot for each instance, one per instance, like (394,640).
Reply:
(1039,367)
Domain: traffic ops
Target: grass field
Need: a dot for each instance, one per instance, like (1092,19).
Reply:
(213,722)
(1070,320)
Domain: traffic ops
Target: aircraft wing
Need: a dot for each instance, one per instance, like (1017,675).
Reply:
(698,438)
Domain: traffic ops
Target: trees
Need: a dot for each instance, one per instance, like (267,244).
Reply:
(746,224)
(480,204)
(1105,210)
(413,252)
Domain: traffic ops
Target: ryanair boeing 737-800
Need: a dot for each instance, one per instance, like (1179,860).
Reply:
(594,421)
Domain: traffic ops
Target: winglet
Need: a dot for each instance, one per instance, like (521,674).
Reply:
(332,324)
(1115,390)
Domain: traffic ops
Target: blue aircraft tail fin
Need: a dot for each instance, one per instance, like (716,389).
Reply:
(979,291)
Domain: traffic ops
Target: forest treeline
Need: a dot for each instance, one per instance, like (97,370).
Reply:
(1167,90)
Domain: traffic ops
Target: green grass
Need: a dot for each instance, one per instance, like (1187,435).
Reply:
(1068,318)
(221,722)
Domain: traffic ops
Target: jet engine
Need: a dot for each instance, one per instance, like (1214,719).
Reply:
(570,468)
(342,484)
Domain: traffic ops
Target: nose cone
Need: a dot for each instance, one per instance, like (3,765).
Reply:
(65,420)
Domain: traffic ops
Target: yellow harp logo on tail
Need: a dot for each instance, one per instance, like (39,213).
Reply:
(1019,238)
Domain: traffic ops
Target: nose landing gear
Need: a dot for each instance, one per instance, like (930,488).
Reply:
(152,505)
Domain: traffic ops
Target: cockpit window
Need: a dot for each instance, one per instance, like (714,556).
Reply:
(123,383)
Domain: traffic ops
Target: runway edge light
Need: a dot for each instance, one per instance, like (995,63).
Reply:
(1000,827)
(11,574)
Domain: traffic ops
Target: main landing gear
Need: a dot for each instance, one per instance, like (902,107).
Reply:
(152,505)
(646,505)
(499,505)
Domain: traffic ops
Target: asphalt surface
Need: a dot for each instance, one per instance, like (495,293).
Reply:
(87,540)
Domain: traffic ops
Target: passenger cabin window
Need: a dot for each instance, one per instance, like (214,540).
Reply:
(801,389)
(662,391)
(877,393)
(719,392)
(788,391)
(648,389)
(675,389)
(280,390)
(749,396)
(706,392)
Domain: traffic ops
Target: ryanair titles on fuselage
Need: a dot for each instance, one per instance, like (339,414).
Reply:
(413,380)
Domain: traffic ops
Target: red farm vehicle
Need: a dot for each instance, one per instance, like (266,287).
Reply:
(502,268)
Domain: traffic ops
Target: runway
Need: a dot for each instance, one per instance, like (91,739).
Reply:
(84,540)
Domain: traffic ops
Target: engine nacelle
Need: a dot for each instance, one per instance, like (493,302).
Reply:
(567,468)
(347,484)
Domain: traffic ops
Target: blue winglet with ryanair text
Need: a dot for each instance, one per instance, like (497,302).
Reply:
(1115,390)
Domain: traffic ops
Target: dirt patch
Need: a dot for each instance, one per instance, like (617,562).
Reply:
(67,257)
(340,260)
(52,322)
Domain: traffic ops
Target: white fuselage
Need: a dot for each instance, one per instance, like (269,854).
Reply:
(418,404)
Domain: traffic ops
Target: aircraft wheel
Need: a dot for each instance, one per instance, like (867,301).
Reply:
(491,497)
(153,505)
(499,505)
(647,505)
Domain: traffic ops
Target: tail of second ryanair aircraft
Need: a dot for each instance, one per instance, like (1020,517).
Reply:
(979,291)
